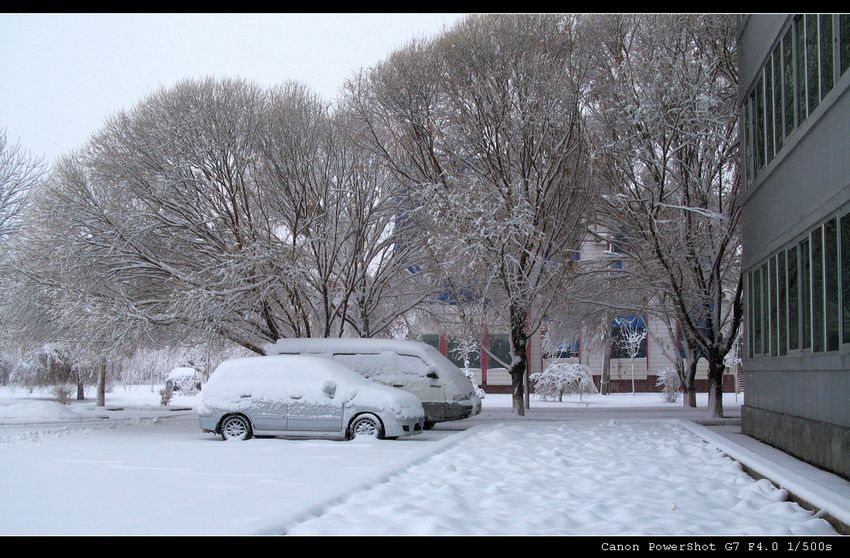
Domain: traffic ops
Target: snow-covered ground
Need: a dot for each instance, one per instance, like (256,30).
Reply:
(146,469)
(612,478)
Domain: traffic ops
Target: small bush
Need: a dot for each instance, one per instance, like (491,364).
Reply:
(670,384)
(560,379)
(63,393)
(165,396)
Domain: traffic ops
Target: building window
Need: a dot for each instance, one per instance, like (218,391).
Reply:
(765,310)
(750,336)
(827,66)
(793,301)
(845,277)
(805,290)
(774,323)
(768,104)
(757,322)
(800,54)
(748,135)
(788,81)
(844,36)
(812,62)
(817,291)
(830,230)
(778,127)
(622,329)
(760,138)
(782,305)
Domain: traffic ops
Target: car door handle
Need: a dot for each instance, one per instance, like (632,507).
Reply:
(296,396)
(245,396)
(436,385)
(398,385)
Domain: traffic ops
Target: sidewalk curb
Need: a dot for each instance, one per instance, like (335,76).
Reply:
(835,508)
(278,527)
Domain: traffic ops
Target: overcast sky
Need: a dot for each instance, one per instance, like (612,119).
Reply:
(62,75)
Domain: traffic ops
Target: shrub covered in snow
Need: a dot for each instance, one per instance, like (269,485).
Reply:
(562,378)
(165,395)
(63,393)
(670,384)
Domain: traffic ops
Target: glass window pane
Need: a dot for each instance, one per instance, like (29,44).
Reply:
(805,290)
(826,65)
(750,324)
(765,310)
(757,311)
(844,23)
(768,107)
(774,324)
(788,81)
(830,230)
(812,77)
(777,97)
(817,290)
(845,277)
(793,301)
(760,160)
(782,314)
(748,130)
(800,51)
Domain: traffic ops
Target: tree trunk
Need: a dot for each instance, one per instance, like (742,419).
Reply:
(689,386)
(518,395)
(81,391)
(525,389)
(519,364)
(101,385)
(715,388)
(605,381)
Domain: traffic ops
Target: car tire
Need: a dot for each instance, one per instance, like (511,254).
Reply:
(366,426)
(428,425)
(236,427)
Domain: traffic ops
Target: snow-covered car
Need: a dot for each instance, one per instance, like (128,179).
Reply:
(300,396)
(183,379)
(445,392)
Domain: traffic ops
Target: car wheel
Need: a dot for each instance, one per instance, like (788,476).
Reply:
(428,425)
(236,427)
(365,426)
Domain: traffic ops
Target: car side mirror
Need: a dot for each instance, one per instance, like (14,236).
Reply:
(433,375)
(329,388)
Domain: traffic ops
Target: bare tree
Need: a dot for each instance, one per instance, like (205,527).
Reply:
(19,171)
(666,110)
(483,126)
(630,338)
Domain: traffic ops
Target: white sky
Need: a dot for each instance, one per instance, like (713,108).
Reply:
(62,75)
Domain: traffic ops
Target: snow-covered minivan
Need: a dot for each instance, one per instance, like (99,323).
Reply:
(446,393)
(303,397)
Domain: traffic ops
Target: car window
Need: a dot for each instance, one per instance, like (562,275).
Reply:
(365,364)
(413,365)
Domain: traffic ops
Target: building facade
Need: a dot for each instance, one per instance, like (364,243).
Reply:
(795,129)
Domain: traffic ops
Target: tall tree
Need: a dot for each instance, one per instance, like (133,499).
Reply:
(665,106)
(484,126)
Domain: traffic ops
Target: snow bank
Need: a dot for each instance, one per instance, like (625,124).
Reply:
(36,410)
(589,478)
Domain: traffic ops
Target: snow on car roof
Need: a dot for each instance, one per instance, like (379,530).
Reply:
(345,344)
(181,372)
(277,364)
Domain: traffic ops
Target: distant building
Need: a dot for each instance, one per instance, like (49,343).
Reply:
(490,370)
(795,129)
